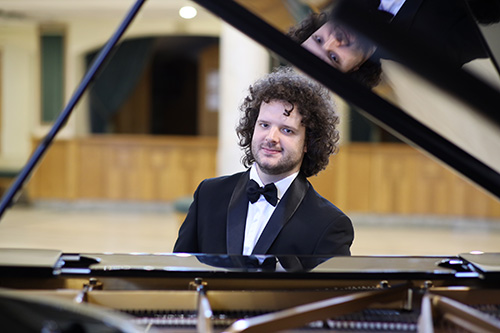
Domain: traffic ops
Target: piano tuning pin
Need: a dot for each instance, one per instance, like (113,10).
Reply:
(197,283)
(93,284)
(384,284)
(428,284)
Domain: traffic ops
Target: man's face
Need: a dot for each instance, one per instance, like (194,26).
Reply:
(339,47)
(278,143)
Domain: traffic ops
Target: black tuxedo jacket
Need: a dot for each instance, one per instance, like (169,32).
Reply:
(445,25)
(303,222)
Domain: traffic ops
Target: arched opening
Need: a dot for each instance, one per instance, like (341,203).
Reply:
(154,86)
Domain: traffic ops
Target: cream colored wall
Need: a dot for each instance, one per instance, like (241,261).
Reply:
(242,62)
(20,93)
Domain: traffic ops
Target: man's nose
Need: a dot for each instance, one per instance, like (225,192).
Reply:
(332,41)
(273,135)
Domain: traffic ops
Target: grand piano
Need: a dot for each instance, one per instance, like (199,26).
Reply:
(52,291)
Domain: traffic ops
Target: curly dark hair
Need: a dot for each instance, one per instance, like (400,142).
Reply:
(369,73)
(310,99)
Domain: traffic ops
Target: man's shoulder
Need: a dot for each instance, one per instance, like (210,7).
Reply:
(226,180)
(322,202)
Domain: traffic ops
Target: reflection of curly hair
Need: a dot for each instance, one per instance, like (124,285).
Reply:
(310,99)
(368,73)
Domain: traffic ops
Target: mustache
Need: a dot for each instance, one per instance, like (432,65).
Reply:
(270,144)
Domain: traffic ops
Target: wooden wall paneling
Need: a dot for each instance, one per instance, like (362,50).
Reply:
(72,162)
(122,169)
(331,183)
(50,178)
(339,166)
(191,165)
(359,190)
(336,169)
(137,190)
(90,174)
(156,182)
(175,174)
(34,183)
(405,198)
(54,173)
(324,182)
(494,207)
(206,167)
(475,201)
(457,194)
(433,188)
(179,172)
(393,174)
(381,185)
(364,178)
(195,164)
(175,170)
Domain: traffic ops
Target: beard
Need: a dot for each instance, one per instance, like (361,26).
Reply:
(285,164)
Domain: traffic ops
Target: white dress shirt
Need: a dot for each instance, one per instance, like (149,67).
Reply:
(260,211)
(391,6)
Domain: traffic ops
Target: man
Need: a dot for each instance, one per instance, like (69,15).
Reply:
(446,26)
(340,47)
(288,132)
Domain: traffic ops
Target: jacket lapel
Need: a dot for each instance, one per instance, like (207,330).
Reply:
(406,15)
(237,216)
(283,212)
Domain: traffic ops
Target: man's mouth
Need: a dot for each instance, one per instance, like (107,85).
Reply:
(269,150)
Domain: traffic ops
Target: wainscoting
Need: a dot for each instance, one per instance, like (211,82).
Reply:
(398,179)
(362,178)
(143,168)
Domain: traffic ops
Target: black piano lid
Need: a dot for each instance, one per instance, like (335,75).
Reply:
(488,263)
(31,262)
(482,98)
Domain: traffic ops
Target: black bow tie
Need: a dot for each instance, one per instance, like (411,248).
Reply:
(270,192)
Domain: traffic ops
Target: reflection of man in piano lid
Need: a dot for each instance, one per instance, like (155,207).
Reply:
(336,45)
(446,27)
(288,132)
(339,47)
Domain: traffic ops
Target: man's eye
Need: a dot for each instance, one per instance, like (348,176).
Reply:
(318,39)
(287,131)
(263,125)
(333,57)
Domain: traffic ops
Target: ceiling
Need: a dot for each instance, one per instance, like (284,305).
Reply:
(274,11)
(98,9)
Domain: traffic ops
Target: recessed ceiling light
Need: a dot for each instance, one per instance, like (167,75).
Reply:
(187,12)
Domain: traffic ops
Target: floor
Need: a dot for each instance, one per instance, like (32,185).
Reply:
(152,228)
